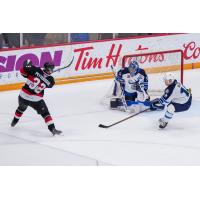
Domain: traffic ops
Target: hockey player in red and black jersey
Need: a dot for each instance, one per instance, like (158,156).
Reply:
(33,91)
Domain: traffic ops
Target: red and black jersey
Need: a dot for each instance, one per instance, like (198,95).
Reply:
(37,81)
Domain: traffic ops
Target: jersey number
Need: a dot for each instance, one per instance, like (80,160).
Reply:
(37,86)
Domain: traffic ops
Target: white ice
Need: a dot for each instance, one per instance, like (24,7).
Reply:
(77,111)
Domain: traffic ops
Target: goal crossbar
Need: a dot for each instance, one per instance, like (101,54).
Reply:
(124,59)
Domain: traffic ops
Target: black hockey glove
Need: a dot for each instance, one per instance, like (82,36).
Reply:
(156,105)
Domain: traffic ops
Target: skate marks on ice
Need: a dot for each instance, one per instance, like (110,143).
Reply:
(137,141)
(31,152)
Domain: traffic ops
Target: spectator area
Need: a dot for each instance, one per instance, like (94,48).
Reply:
(16,40)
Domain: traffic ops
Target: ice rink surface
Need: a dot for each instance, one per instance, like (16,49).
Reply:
(77,111)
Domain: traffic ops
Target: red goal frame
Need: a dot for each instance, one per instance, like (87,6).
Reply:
(158,52)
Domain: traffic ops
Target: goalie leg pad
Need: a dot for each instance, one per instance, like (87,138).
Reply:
(145,103)
(137,106)
(130,103)
(130,96)
(143,96)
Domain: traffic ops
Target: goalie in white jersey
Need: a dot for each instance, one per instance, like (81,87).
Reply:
(130,90)
(176,97)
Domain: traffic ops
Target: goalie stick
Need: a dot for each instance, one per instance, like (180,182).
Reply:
(65,66)
(122,97)
(104,126)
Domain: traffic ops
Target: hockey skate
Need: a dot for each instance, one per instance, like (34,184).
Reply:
(54,131)
(14,122)
(162,123)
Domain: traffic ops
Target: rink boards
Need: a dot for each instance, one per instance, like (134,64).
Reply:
(94,58)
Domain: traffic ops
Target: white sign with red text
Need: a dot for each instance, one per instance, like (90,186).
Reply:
(96,57)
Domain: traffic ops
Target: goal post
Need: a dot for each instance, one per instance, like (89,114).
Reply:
(156,64)
(158,57)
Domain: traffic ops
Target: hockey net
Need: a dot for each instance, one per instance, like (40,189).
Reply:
(156,64)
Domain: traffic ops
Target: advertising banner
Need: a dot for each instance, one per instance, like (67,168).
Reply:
(95,57)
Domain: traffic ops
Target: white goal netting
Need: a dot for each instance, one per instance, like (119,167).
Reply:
(156,64)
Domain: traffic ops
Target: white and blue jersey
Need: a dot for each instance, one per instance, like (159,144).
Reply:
(177,95)
(133,83)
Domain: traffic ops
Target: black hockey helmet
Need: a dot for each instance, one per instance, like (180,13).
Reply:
(49,67)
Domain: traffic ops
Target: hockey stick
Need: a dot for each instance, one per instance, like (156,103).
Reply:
(65,66)
(122,97)
(104,126)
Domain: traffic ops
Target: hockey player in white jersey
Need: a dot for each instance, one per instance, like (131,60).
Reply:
(176,97)
(132,84)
